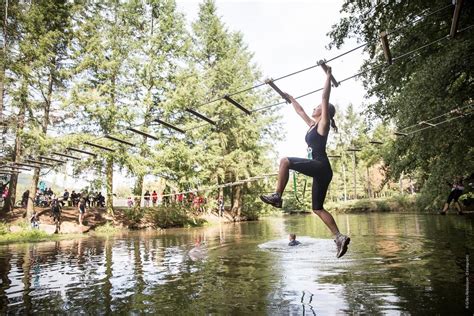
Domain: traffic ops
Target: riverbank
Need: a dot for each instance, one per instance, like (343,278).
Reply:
(15,228)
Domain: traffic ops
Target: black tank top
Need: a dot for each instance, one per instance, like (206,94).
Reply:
(317,143)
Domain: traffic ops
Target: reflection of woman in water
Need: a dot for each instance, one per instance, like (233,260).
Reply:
(317,166)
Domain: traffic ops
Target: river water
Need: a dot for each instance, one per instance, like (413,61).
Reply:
(396,264)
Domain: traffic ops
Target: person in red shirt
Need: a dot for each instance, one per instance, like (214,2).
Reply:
(154,198)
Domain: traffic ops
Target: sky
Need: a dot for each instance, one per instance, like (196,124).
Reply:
(285,36)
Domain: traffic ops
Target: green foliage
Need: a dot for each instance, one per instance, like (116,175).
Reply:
(25,235)
(4,228)
(425,85)
(107,228)
(396,203)
(172,215)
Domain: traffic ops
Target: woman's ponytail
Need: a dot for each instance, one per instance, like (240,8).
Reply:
(333,125)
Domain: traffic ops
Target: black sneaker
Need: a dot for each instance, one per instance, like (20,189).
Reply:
(342,241)
(272,199)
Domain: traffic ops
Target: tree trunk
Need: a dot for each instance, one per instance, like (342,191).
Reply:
(109,174)
(10,201)
(369,191)
(237,201)
(47,107)
(137,192)
(4,57)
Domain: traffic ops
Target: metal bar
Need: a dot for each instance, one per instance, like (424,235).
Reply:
(400,134)
(230,100)
(142,133)
(100,147)
(202,117)
(278,90)
(169,126)
(119,140)
(52,159)
(65,155)
(334,156)
(376,142)
(26,165)
(323,65)
(82,151)
(39,162)
(427,124)
(14,168)
(353,149)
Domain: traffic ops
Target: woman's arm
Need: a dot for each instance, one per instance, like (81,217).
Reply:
(300,111)
(323,125)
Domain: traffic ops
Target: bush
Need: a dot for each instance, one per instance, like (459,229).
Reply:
(107,228)
(4,229)
(134,216)
(172,215)
(27,235)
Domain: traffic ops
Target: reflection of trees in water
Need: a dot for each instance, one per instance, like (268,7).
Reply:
(5,266)
(145,274)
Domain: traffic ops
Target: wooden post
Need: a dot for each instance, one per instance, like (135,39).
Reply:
(386,47)
(368,184)
(344,179)
(354,174)
(455,22)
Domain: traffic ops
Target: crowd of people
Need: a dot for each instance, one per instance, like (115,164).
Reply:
(194,201)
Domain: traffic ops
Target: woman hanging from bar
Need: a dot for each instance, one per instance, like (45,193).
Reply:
(317,166)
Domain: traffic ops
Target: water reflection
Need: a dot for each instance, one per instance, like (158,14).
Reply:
(396,263)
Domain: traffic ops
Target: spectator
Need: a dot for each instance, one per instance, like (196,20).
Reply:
(130,202)
(65,197)
(82,209)
(154,198)
(220,206)
(34,220)
(147,198)
(101,199)
(24,198)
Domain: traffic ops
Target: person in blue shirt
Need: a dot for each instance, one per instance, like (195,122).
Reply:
(293,241)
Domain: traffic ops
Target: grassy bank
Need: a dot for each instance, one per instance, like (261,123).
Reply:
(26,234)
(398,203)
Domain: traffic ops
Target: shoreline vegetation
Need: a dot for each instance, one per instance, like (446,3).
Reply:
(14,228)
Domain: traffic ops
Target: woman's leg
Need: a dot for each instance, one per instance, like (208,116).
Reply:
(328,219)
(283,175)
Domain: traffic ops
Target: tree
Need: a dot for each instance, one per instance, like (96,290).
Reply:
(236,147)
(428,83)
(101,89)
(160,44)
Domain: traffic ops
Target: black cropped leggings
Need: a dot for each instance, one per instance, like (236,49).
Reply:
(321,172)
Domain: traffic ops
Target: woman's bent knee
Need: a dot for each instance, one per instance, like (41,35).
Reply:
(284,162)
(317,212)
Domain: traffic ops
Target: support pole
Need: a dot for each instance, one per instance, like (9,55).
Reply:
(455,22)
(386,47)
